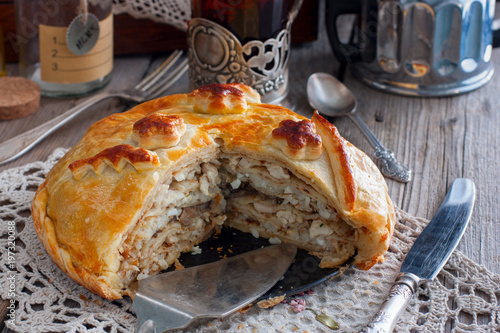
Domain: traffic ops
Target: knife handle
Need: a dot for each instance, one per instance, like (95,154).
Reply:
(399,296)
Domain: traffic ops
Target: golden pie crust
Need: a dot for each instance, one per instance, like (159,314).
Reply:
(145,185)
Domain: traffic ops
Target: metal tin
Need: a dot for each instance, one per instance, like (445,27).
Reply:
(418,48)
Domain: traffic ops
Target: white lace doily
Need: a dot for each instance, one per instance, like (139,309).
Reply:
(172,12)
(464,297)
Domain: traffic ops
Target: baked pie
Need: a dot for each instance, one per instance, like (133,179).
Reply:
(146,185)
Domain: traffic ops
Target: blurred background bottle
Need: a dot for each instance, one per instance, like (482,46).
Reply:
(2,54)
(247,19)
(246,41)
(66,47)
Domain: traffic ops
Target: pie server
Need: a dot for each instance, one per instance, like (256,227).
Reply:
(428,255)
(173,300)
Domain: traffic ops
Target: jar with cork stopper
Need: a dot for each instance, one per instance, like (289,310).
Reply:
(65,46)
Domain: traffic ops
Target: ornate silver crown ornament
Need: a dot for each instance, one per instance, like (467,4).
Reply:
(217,55)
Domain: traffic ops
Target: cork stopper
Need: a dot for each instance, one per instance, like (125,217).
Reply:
(19,97)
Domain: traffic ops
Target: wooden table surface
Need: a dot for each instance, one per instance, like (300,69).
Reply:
(439,138)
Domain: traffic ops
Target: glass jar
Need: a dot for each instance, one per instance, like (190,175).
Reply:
(65,46)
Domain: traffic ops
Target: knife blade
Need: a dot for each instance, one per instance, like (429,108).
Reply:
(428,255)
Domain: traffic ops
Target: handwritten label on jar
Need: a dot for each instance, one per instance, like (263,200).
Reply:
(83,34)
(59,65)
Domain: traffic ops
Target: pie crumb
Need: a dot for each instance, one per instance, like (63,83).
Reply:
(269,303)
(178,265)
(245,308)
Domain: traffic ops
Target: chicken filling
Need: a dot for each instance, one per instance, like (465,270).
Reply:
(187,210)
(269,199)
(258,197)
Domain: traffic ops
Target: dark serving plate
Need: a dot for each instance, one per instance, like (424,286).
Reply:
(303,274)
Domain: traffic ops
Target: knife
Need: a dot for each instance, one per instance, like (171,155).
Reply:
(173,300)
(428,255)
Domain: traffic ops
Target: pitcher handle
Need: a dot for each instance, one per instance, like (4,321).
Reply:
(496,32)
(345,53)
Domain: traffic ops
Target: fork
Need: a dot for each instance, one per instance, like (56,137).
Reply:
(152,86)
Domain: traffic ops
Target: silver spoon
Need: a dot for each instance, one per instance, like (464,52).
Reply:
(331,97)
